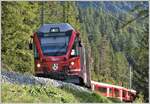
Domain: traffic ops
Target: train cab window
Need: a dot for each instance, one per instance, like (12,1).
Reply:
(54,44)
(102,89)
(75,51)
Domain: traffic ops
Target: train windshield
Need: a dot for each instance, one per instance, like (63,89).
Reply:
(54,44)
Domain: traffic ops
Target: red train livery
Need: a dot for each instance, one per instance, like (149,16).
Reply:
(59,54)
(113,91)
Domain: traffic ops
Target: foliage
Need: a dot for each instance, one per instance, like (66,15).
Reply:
(115,100)
(139,98)
(86,97)
(31,94)
(17,26)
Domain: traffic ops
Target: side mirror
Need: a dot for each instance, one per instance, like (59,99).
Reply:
(30,43)
(78,33)
(80,45)
(31,36)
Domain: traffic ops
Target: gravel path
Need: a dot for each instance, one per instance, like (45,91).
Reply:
(17,78)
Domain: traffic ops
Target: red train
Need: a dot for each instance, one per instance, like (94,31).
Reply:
(59,54)
(113,91)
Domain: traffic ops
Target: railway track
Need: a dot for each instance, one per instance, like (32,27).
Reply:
(26,79)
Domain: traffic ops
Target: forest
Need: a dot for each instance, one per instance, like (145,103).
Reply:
(115,40)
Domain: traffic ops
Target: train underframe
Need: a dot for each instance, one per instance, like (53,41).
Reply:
(63,77)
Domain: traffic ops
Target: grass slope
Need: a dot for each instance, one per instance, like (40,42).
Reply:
(30,94)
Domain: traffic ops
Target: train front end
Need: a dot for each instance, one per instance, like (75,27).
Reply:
(58,53)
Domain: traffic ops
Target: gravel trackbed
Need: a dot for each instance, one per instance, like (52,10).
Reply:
(17,78)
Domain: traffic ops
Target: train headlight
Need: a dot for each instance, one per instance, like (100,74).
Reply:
(38,65)
(55,66)
(72,52)
(72,63)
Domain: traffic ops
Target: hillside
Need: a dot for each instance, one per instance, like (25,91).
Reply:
(50,94)
(112,6)
(17,88)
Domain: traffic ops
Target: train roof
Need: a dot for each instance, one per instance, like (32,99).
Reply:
(63,27)
(105,84)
